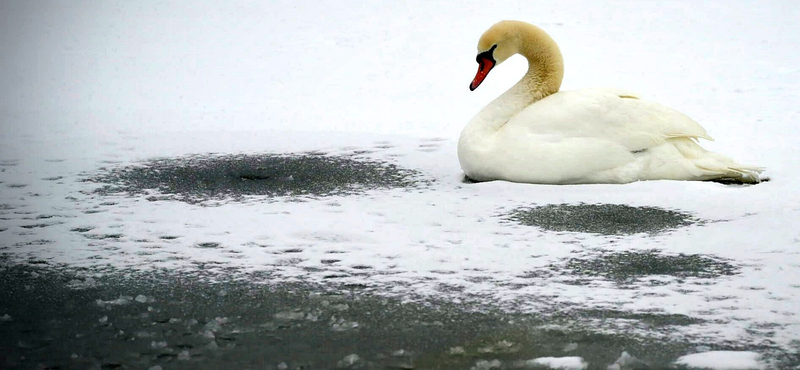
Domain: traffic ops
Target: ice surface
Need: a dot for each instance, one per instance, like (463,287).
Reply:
(723,360)
(99,85)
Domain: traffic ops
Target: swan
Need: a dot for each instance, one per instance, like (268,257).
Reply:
(534,133)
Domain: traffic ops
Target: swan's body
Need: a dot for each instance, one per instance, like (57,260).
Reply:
(535,134)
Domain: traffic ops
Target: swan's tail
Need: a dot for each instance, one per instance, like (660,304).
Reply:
(716,167)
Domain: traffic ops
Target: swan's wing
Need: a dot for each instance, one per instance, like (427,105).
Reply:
(609,115)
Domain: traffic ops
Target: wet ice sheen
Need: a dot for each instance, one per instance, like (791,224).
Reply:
(189,325)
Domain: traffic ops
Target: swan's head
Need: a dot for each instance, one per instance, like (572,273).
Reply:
(497,44)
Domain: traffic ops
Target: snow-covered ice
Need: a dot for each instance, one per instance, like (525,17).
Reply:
(124,83)
(563,363)
(723,360)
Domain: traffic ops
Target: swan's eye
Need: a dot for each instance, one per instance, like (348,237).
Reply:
(487,55)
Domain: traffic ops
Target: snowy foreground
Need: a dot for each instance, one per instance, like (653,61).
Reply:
(388,82)
(447,240)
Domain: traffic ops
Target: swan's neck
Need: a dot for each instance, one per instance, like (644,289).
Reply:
(545,63)
(543,78)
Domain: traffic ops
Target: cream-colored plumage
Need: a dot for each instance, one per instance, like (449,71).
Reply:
(535,134)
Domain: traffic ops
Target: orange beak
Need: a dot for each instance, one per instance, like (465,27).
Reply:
(484,66)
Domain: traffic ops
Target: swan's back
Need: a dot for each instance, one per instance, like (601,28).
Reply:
(606,114)
(606,136)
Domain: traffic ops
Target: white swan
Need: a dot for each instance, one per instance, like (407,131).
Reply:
(535,134)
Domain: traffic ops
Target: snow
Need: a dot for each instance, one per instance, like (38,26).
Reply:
(563,363)
(109,84)
(723,360)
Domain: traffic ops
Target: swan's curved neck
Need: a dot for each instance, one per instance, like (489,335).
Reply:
(544,76)
(545,63)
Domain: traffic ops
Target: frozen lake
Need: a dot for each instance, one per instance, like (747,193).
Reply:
(190,186)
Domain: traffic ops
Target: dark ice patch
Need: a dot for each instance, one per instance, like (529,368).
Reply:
(637,265)
(34,243)
(37,226)
(651,319)
(207,245)
(201,178)
(210,319)
(605,219)
(103,236)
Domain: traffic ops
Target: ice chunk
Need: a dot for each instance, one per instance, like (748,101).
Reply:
(157,367)
(289,315)
(570,347)
(283,366)
(457,351)
(87,283)
(213,325)
(158,345)
(728,360)
(348,361)
(122,300)
(486,365)
(141,298)
(400,352)
(502,346)
(5,317)
(344,326)
(184,355)
(626,361)
(562,363)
